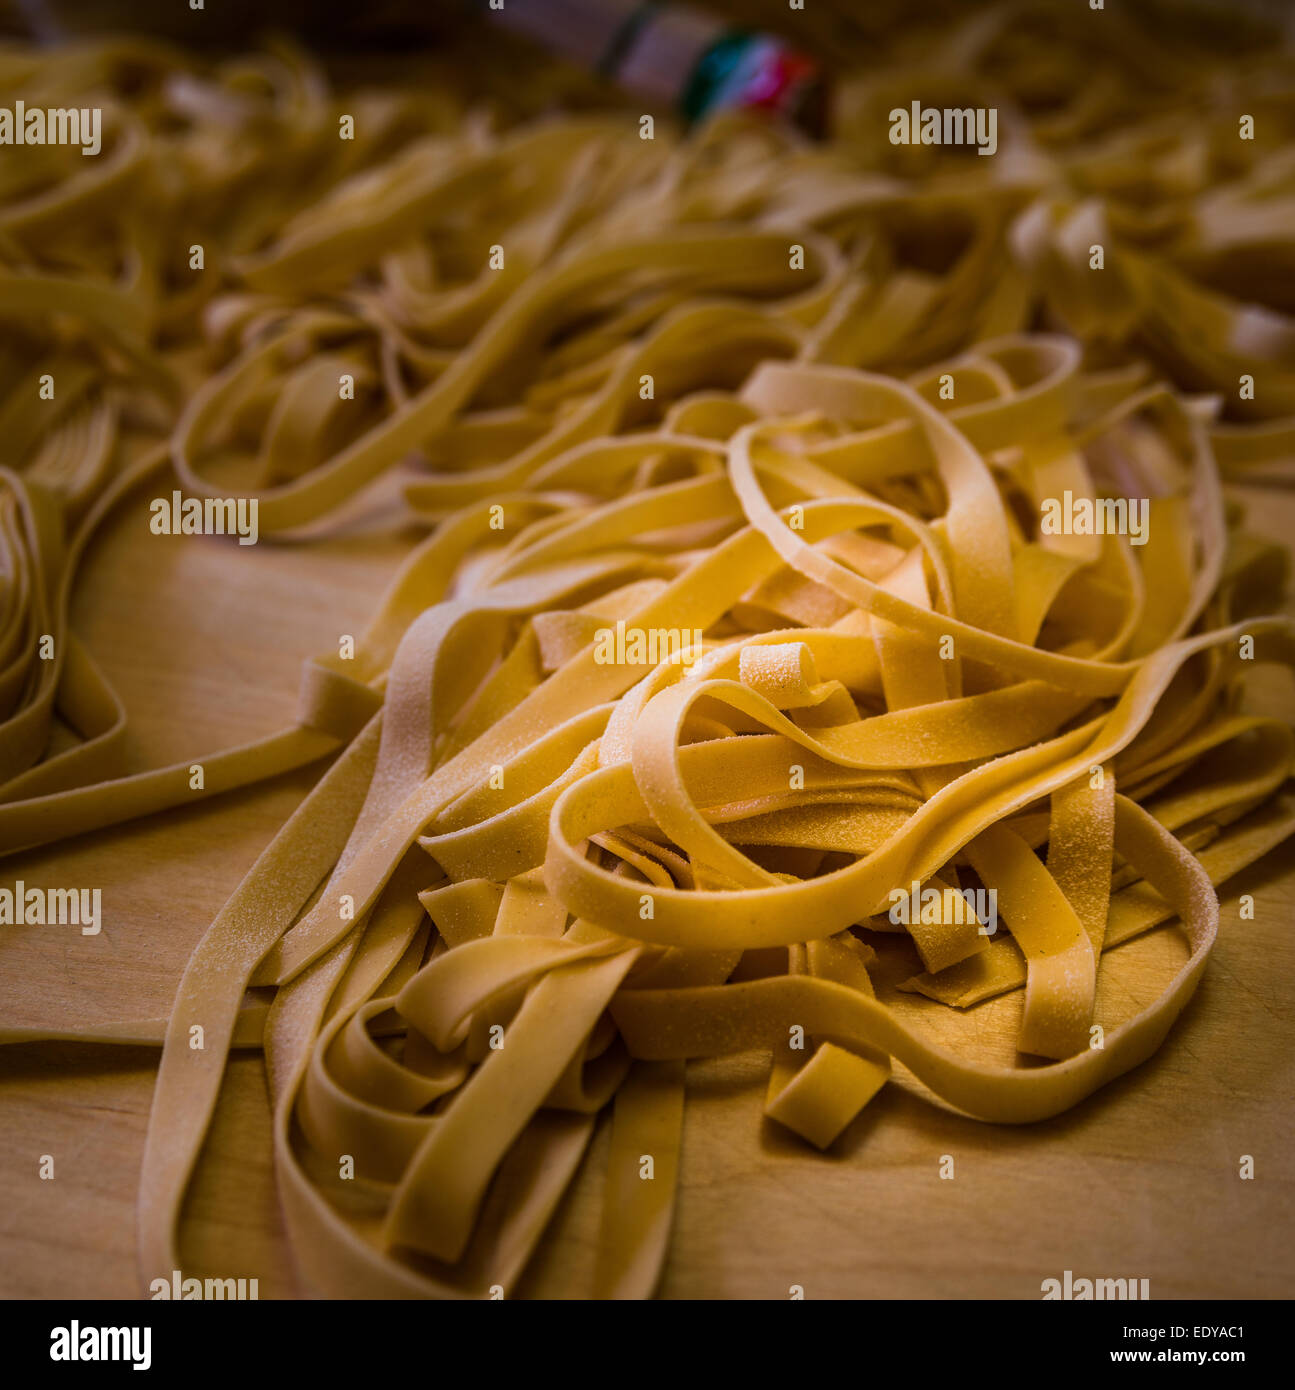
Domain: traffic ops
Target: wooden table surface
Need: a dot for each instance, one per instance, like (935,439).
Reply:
(1140,1181)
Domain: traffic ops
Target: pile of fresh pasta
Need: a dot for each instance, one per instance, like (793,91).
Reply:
(790,410)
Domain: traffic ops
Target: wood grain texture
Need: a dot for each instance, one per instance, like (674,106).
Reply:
(1140,1181)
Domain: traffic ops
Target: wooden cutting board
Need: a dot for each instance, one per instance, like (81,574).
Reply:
(1140,1181)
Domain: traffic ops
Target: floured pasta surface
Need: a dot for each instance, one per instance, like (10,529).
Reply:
(739,615)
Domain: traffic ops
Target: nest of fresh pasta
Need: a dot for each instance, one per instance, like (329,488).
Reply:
(829,619)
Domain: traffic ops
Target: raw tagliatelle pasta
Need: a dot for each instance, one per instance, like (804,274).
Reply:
(736,616)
